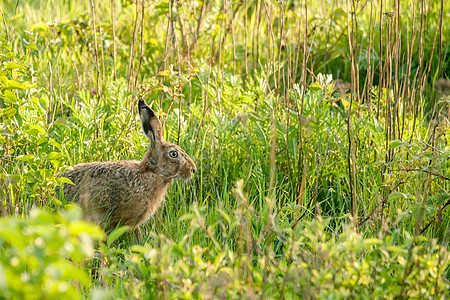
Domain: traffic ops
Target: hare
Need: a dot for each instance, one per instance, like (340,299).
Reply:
(128,192)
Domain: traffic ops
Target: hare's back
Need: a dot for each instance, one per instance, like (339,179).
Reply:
(100,180)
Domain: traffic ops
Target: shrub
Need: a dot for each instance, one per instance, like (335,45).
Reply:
(306,262)
(43,257)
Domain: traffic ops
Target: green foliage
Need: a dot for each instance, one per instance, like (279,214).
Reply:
(231,96)
(311,263)
(30,151)
(44,256)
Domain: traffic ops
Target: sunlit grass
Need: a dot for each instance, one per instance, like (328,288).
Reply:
(229,231)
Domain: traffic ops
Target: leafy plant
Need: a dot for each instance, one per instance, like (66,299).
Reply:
(311,264)
(333,114)
(44,256)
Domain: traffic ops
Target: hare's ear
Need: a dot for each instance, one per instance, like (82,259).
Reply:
(150,124)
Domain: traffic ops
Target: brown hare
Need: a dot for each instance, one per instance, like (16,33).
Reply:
(129,192)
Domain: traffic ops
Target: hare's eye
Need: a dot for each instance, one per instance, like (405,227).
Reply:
(173,154)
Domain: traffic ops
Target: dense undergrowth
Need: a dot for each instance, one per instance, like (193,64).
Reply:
(307,187)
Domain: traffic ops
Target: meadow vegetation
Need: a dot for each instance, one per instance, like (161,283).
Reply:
(320,131)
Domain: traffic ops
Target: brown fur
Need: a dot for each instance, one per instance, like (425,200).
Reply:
(129,192)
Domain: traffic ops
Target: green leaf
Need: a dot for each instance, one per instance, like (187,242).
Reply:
(3,79)
(28,85)
(9,112)
(78,227)
(54,143)
(64,180)
(61,121)
(32,46)
(394,195)
(72,212)
(37,118)
(13,65)
(10,96)
(396,144)
(13,84)
(40,27)
(28,157)
(12,233)
(139,249)
(115,234)
(56,201)
(7,46)
(38,128)
(55,156)
(315,87)
(8,55)
(177,250)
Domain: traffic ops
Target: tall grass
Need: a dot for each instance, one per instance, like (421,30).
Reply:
(326,110)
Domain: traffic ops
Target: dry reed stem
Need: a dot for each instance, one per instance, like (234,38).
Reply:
(351,154)
(301,180)
(141,53)
(97,75)
(132,52)
(113,39)
(165,51)
(245,38)
(4,24)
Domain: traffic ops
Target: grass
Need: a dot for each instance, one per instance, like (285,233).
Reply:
(307,186)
